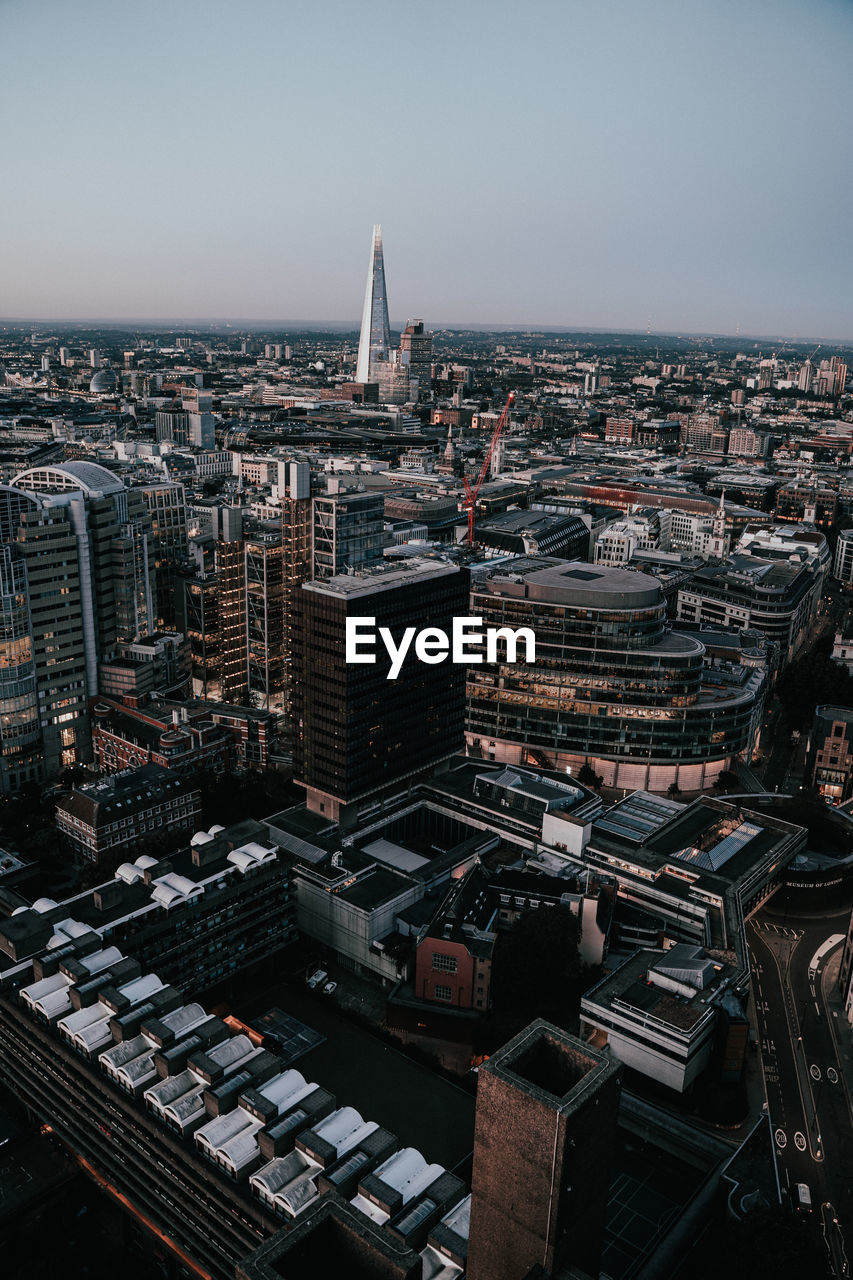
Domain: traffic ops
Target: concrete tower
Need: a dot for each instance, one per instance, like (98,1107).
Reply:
(374,343)
(543,1140)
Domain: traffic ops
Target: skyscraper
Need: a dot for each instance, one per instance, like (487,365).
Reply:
(47,620)
(358,733)
(347,532)
(416,356)
(374,344)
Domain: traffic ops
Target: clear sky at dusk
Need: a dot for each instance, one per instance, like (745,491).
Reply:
(559,162)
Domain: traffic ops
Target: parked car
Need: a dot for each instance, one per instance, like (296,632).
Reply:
(804,1197)
(317,978)
(330,988)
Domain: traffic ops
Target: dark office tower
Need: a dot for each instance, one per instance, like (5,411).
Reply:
(544,1134)
(374,345)
(197,609)
(167,508)
(359,733)
(416,356)
(231,570)
(348,532)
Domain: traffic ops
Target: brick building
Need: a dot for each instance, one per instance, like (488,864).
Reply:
(831,753)
(183,737)
(119,816)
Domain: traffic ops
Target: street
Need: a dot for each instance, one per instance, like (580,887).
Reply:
(806,1093)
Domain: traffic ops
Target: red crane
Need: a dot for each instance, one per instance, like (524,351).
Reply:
(472,491)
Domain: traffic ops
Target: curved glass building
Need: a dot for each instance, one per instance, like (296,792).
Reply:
(612,685)
(20,731)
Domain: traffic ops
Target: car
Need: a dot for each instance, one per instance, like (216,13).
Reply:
(804,1197)
(317,978)
(330,988)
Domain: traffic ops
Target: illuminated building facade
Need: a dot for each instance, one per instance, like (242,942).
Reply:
(612,686)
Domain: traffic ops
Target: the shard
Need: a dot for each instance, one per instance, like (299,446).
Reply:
(374,343)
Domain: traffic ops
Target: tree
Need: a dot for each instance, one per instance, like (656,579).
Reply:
(673,789)
(769,1243)
(810,681)
(725,780)
(536,965)
(588,777)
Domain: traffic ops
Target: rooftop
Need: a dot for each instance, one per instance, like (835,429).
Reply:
(384,577)
(573,583)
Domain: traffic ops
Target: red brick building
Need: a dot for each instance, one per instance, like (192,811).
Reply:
(184,737)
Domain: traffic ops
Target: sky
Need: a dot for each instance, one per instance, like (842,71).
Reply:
(684,165)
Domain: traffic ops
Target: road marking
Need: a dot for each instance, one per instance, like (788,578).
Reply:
(781,1139)
(799,1142)
(816,1008)
(832,1075)
(814,1071)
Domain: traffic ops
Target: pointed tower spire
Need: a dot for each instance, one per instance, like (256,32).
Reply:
(375,340)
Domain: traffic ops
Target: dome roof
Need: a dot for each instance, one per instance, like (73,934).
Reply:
(104,380)
(69,476)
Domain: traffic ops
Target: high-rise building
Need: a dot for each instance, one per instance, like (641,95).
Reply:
(20,732)
(296,543)
(197,613)
(348,532)
(231,571)
(172,424)
(805,377)
(416,356)
(544,1137)
(374,344)
(48,637)
(167,508)
(113,530)
(94,357)
(358,732)
(265,616)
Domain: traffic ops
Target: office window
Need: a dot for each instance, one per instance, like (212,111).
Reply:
(445,964)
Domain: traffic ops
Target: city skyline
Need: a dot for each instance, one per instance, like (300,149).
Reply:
(608,191)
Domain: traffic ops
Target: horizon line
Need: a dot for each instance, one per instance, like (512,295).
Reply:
(327,326)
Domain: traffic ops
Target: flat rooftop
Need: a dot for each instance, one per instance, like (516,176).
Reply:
(384,577)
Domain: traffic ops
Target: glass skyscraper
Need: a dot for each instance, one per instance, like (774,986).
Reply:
(374,344)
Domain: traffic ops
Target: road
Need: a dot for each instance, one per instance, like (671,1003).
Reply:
(806,1094)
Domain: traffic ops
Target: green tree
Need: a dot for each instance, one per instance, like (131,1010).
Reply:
(810,681)
(536,966)
(588,776)
(766,1244)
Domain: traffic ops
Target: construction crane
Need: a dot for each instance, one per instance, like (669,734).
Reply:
(472,491)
